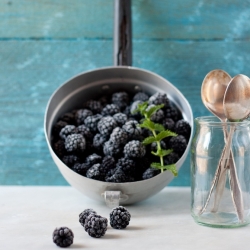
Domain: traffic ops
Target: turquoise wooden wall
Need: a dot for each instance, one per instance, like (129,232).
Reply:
(43,43)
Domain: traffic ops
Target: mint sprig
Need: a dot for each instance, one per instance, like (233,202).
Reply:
(158,134)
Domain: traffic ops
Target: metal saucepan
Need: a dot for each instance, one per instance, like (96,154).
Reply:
(95,83)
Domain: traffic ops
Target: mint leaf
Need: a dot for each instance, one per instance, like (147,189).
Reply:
(172,168)
(154,109)
(147,124)
(156,165)
(158,127)
(164,152)
(164,134)
(149,140)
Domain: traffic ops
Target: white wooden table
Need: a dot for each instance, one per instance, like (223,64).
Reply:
(28,216)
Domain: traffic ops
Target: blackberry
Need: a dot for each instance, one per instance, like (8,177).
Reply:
(168,123)
(154,146)
(96,225)
(118,176)
(119,135)
(92,121)
(99,140)
(134,149)
(150,173)
(58,127)
(81,168)
(182,127)
(68,117)
(95,172)
(84,214)
(93,159)
(104,100)
(120,118)
(159,98)
(171,158)
(134,106)
(121,99)
(127,166)
(140,96)
(141,165)
(110,109)
(119,217)
(63,236)
(133,130)
(94,106)
(157,116)
(106,125)
(110,173)
(70,160)
(67,130)
(81,115)
(108,163)
(59,148)
(127,112)
(178,144)
(172,112)
(75,143)
(85,131)
(111,148)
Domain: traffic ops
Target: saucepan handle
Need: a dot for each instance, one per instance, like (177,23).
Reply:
(122,33)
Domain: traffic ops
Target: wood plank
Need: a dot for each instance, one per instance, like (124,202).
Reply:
(90,19)
(31,70)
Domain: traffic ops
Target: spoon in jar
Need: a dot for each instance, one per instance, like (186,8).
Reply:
(212,93)
(236,105)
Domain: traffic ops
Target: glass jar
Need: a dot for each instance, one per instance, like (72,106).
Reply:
(220,173)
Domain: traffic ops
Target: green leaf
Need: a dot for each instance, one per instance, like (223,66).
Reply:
(141,107)
(172,168)
(155,153)
(149,140)
(164,134)
(147,124)
(164,152)
(158,127)
(156,165)
(154,109)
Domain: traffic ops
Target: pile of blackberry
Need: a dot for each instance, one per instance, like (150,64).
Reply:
(101,140)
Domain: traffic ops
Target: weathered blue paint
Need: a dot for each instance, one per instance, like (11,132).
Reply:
(44,43)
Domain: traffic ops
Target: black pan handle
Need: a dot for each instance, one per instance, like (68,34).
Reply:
(122,33)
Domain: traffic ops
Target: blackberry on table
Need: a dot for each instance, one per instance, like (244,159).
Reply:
(110,109)
(119,217)
(106,125)
(70,160)
(75,143)
(112,148)
(63,236)
(159,98)
(132,129)
(93,159)
(171,158)
(140,96)
(81,115)
(119,135)
(94,106)
(120,118)
(178,144)
(95,225)
(85,131)
(95,172)
(59,148)
(67,130)
(92,121)
(81,168)
(121,99)
(99,140)
(84,214)
(134,149)
(150,173)
(182,127)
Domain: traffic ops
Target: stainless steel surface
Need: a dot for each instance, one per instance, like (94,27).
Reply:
(212,93)
(98,82)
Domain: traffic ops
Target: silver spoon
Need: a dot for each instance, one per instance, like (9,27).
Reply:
(236,107)
(212,93)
